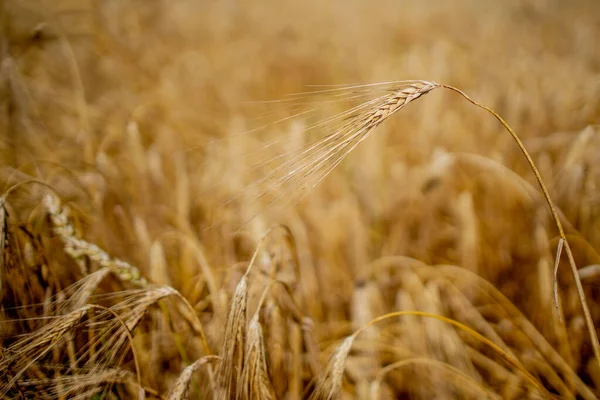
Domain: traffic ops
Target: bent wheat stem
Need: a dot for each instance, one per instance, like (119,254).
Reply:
(564,242)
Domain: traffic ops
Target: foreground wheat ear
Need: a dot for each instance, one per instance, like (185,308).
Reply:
(313,164)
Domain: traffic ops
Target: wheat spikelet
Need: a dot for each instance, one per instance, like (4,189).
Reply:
(180,389)
(394,102)
(232,362)
(329,383)
(158,266)
(410,297)
(367,303)
(295,376)
(312,346)
(59,215)
(278,345)
(255,382)
(78,248)
(291,174)
(443,342)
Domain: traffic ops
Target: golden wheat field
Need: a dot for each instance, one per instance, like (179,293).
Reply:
(310,199)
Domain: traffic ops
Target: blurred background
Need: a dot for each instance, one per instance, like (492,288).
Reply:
(129,109)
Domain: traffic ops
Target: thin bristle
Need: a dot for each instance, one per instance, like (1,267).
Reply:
(24,353)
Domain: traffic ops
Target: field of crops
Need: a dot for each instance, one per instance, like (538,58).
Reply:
(299,199)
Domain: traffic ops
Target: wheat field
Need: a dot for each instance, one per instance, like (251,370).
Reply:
(299,199)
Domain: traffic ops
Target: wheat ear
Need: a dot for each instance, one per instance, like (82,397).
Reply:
(78,248)
(382,108)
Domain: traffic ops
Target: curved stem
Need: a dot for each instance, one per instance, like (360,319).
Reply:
(431,362)
(497,349)
(586,312)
